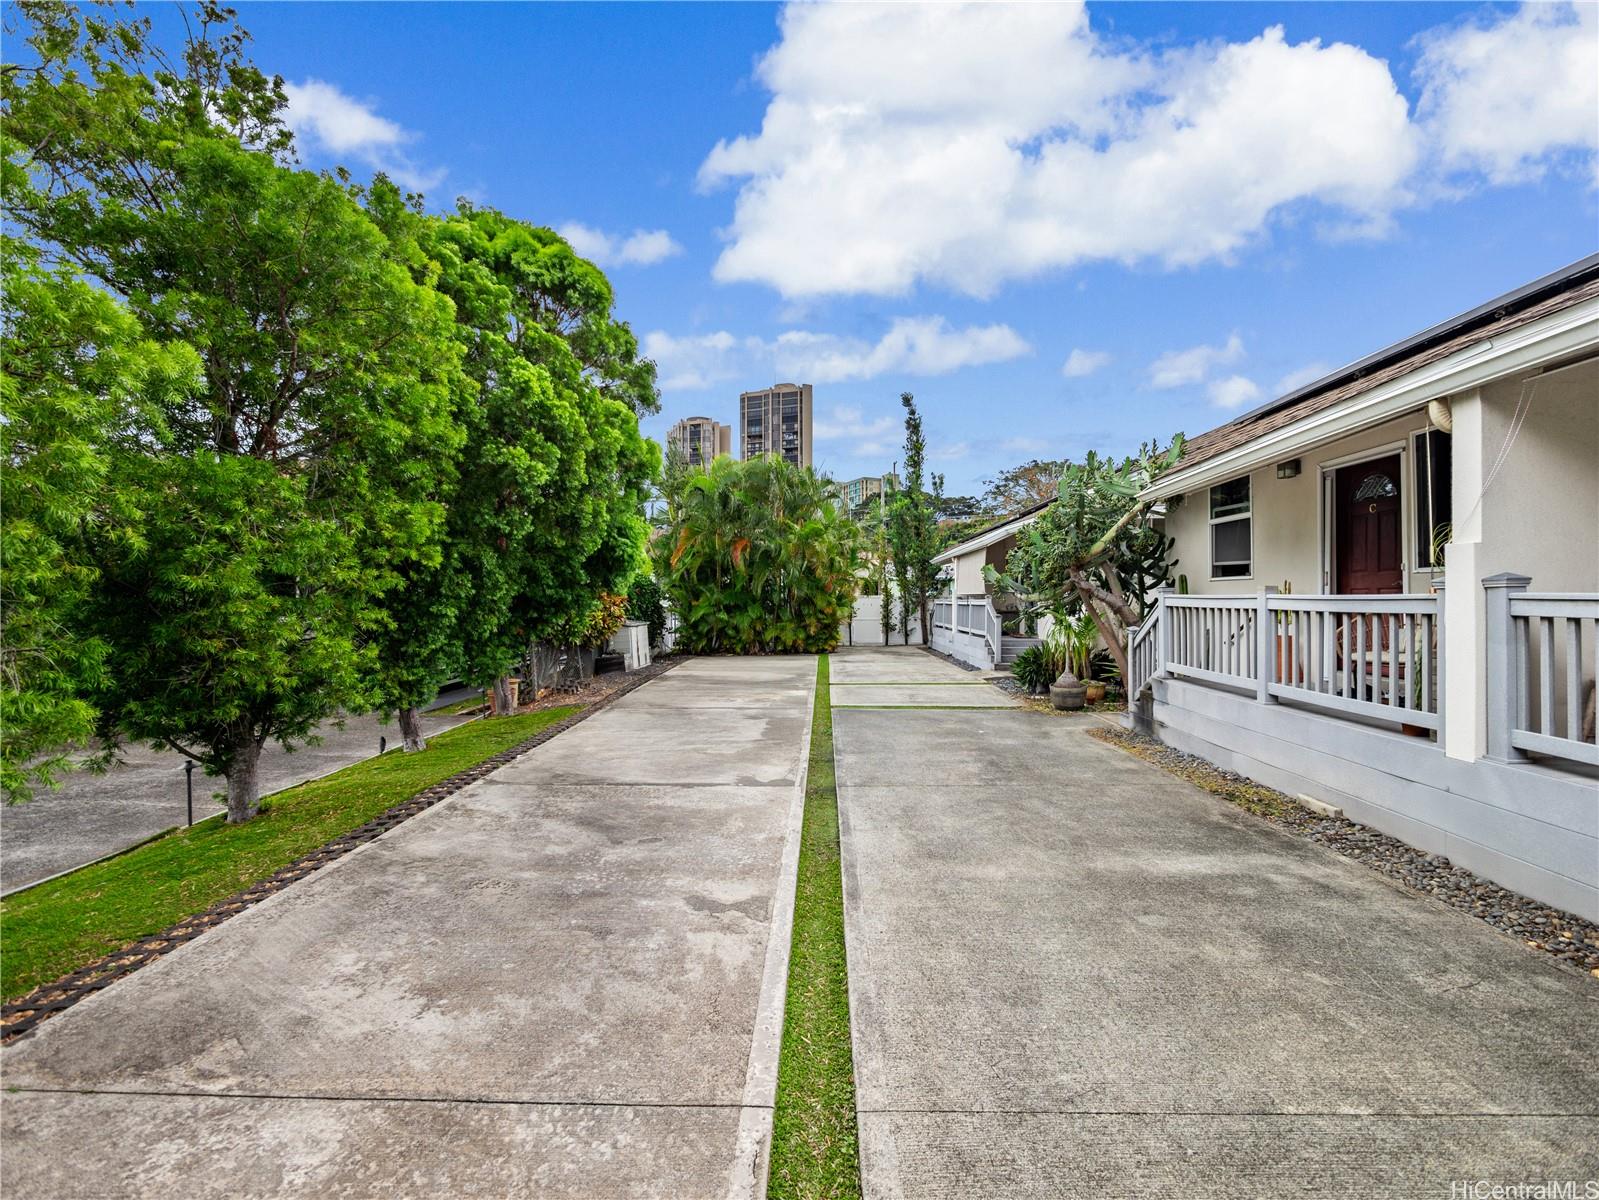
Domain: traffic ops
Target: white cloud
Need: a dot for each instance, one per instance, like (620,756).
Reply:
(912,346)
(1295,380)
(1084,362)
(642,247)
(339,125)
(1233,392)
(1178,368)
(689,364)
(1009,140)
(1506,94)
(852,424)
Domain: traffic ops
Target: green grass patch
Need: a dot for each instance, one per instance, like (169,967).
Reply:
(815,1152)
(69,922)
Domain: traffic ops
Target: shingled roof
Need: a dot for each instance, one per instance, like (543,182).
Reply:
(1550,294)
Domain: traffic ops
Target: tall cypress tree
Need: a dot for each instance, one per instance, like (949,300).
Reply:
(913,524)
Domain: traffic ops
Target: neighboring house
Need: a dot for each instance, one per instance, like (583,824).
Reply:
(968,623)
(1393,590)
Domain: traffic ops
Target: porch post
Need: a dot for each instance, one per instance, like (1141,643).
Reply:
(1162,629)
(1265,644)
(1440,632)
(1507,675)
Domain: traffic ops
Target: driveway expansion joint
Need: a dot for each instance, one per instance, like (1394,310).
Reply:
(381,1098)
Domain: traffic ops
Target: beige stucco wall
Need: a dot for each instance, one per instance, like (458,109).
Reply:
(1540,515)
(1287,515)
(969,567)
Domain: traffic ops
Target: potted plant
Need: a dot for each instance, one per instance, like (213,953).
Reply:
(1065,649)
(1082,636)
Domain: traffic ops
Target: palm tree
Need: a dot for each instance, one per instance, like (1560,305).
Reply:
(757,559)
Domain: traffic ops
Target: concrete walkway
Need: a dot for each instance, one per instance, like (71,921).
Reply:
(90,816)
(1074,975)
(564,981)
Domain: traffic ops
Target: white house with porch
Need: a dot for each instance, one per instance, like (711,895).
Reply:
(1393,587)
(968,621)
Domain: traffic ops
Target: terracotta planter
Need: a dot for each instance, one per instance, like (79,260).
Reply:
(1095,691)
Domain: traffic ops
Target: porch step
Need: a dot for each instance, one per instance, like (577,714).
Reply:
(1010,647)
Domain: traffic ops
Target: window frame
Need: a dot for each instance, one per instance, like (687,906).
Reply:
(1421,460)
(1231,519)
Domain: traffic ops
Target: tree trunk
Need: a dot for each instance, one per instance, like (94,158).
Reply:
(502,695)
(1113,639)
(244,786)
(923,615)
(411,728)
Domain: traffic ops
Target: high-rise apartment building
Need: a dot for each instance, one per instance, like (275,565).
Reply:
(699,440)
(856,492)
(776,420)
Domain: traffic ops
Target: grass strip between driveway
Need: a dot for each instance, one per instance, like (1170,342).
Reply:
(815,1151)
(70,922)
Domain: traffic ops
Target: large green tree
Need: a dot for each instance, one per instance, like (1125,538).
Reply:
(281,500)
(76,370)
(1019,488)
(550,515)
(546,515)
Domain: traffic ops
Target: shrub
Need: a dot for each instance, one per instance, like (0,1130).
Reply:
(755,558)
(1031,669)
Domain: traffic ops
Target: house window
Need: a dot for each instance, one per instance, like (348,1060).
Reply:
(1230,537)
(1433,483)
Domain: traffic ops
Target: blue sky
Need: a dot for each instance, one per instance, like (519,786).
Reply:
(953,201)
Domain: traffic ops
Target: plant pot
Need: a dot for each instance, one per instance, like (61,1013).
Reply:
(1067,692)
(1095,691)
(1413,730)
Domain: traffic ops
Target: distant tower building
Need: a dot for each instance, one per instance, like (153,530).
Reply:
(700,439)
(777,420)
(857,492)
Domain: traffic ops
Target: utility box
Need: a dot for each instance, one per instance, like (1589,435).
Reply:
(632,642)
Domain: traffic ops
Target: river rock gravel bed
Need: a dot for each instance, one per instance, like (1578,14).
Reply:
(1552,931)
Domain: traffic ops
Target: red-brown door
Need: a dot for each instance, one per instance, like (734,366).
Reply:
(1368,531)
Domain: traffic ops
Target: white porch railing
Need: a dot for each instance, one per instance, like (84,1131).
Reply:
(1213,639)
(974,616)
(1543,659)
(1356,656)
(1368,656)
(1143,655)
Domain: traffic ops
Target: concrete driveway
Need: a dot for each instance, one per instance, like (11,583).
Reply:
(1074,975)
(90,816)
(564,981)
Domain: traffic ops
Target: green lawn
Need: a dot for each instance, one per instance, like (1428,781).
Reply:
(814,1148)
(69,922)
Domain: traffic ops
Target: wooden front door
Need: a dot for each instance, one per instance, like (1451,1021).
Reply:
(1368,532)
